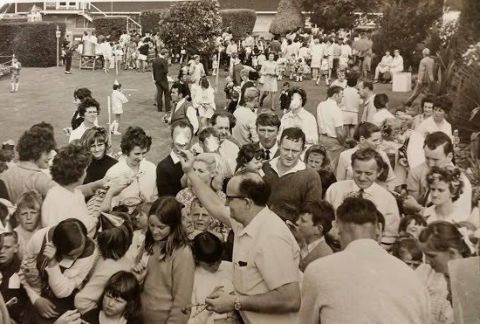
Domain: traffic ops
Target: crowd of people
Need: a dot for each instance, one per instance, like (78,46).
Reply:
(349,216)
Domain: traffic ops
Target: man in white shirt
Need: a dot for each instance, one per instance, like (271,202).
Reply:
(299,117)
(384,65)
(89,109)
(366,165)
(265,253)
(245,131)
(223,122)
(350,105)
(362,283)
(268,125)
(330,124)
(438,150)
(397,62)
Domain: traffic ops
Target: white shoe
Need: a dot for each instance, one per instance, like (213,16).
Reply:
(117,133)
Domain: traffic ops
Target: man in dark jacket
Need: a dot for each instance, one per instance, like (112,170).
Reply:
(160,72)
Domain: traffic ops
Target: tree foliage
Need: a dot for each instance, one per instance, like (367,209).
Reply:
(149,20)
(335,14)
(192,25)
(240,21)
(404,25)
(288,17)
(110,26)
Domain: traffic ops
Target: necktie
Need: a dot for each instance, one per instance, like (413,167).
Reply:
(267,154)
(360,193)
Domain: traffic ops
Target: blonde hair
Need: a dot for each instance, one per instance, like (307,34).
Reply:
(216,165)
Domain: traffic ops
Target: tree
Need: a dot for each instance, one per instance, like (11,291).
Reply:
(192,25)
(289,17)
(404,25)
(334,14)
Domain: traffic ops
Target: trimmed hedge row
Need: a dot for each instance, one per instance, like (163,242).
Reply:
(150,19)
(34,43)
(240,21)
(112,26)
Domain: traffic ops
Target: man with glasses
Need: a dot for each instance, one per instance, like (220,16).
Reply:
(89,110)
(265,253)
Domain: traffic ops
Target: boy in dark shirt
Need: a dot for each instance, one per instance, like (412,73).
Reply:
(284,101)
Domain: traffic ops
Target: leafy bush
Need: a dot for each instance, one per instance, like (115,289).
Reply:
(288,17)
(34,43)
(240,21)
(149,20)
(404,25)
(112,26)
(192,25)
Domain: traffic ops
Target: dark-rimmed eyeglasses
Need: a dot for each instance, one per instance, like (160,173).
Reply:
(228,198)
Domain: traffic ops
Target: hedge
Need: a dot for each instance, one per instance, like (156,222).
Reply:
(240,21)
(288,17)
(110,26)
(34,43)
(150,19)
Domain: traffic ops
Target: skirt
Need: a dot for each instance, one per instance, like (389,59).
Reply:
(270,83)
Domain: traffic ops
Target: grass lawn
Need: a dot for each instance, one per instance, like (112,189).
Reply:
(46,95)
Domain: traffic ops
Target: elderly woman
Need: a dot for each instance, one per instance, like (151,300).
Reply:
(95,140)
(132,166)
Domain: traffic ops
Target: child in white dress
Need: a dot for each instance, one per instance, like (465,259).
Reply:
(118,99)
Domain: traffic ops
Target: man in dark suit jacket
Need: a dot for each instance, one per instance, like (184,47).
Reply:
(169,170)
(160,72)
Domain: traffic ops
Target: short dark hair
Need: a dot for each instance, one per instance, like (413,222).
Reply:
(294,134)
(300,91)
(68,235)
(333,91)
(365,130)
(114,242)
(444,103)
(135,136)
(70,164)
(442,236)
(253,75)
(254,187)
(319,149)
(181,124)
(322,214)
(380,100)
(44,125)
(435,139)
(357,211)
(207,247)
(352,80)
(180,89)
(409,244)
(246,153)
(206,133)
(88,102)
(33,143)
(427,98)
(408,218)
(367,154)
(224,114)
(82,93)
(268,119)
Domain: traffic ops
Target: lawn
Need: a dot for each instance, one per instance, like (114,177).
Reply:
(46,95)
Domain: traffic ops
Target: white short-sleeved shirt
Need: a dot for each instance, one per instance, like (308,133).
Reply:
(303,120)
(265,257)
(381,116)
(329,116)
(428,126)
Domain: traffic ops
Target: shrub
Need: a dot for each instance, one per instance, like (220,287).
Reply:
(149,20)
(112,26)
(34,43)
(192,25)
(240,21)
(288,17)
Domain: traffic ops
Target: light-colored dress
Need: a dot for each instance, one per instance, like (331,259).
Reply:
(317,54)
(269,72)
(118,99)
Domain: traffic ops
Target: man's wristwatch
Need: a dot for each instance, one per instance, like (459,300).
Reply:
(236,303)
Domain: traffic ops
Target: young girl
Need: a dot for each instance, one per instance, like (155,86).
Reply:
(118,99)
(57,261)
(168,272)
(113,244)
(250,158)
(408,250)
(324,71)
(412,225)
(120,302)
(440,242)
(27,216)
(445,186)
(210,272)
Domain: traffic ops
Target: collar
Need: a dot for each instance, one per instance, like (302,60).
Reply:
(174,157)
(369,99)
(298,167)
(28,165)
(314,244)
(300,113)
(368,190)
(180,103)
(361,244)
(273,150)
(330,100)
(253,227)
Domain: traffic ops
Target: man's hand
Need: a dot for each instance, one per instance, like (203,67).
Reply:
(411,204)
(186,159)
(220,301)
(45,308)
(69,317)
(49,253)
